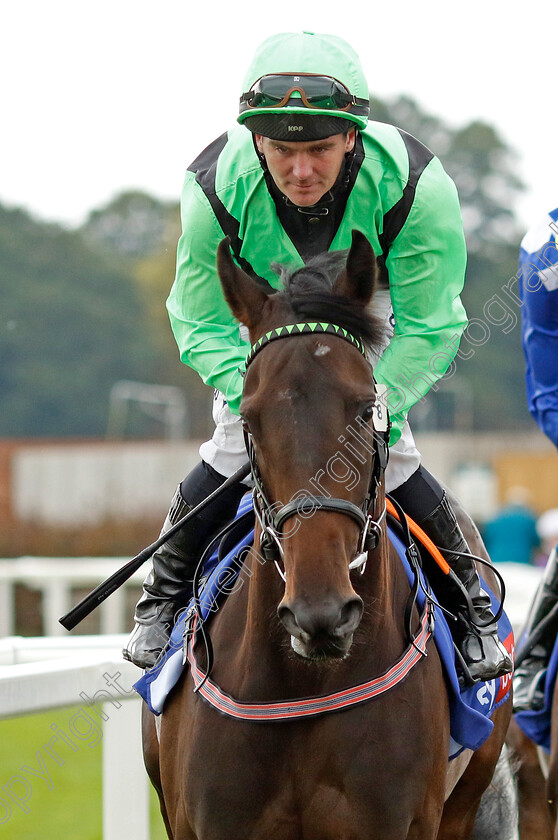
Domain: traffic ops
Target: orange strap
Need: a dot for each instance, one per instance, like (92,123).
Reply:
(423,538)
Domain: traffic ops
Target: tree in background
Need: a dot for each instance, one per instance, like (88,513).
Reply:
(72,323)
(84,309)
(134,224)
(142,233)
(490,372)
(482,165)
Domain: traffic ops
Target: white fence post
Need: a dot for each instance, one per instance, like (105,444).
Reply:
(112,614)
(55,578)
(56,602)
(37,674)
(6,608)
(125,789)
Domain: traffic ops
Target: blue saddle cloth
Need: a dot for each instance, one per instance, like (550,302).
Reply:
(470,708)
(536,725)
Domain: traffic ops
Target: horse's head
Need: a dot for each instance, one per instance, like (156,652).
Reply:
(307,406)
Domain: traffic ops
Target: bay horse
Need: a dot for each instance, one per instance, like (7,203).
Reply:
(537,770)
(332,619)
(536,790)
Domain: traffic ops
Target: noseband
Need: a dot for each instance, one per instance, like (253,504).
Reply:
(271,517)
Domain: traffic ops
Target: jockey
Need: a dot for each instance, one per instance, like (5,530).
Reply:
(538,278)
(303,168)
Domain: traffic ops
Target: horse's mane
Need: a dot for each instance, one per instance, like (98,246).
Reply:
(309,293)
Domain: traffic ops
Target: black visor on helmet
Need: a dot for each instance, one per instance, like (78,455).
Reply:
(297,127)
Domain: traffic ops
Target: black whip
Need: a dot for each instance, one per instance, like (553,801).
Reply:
(115,581)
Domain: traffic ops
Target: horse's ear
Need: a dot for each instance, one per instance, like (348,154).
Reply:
(243,295)
(358,280)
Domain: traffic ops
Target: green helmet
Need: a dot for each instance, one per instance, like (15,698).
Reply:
(304,86)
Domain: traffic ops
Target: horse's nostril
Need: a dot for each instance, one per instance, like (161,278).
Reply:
(350,617)
(287,617)
(326,620)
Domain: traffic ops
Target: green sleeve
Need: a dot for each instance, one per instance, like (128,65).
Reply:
(206,332)
(426,265)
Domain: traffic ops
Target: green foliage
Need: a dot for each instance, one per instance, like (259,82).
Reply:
(481,164)
(140,233)
(133,225)
(483,168)
(84,309)
(496,370)
(72,324)
(405,113)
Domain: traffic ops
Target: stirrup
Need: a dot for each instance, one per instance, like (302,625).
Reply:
(539,704)
(476,667)
(533,698)
(149,639)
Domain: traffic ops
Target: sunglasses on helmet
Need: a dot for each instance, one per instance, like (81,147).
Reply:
(323,92)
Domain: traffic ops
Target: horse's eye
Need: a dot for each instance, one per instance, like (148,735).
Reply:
(368,413)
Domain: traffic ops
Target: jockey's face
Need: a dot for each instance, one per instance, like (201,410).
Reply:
(304,172)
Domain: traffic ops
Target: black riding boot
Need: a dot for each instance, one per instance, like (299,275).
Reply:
(528,691)
(168,586)
(481,649)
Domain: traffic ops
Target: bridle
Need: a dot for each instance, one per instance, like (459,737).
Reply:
(273,516)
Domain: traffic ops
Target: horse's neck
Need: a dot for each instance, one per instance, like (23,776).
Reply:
(248,639)
(264,590)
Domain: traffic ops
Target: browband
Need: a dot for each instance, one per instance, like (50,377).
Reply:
(303,329)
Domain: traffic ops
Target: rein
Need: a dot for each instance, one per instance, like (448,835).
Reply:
(273,516)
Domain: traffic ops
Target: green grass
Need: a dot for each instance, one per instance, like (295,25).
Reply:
(72,808)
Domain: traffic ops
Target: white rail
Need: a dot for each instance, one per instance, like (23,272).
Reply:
(59,671)
(521,582)
(87,671)
(55,578)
